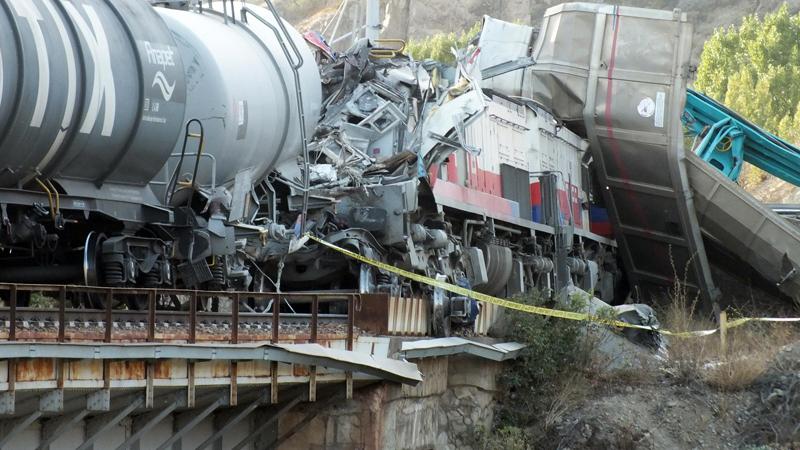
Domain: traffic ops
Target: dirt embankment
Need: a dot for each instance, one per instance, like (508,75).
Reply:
(663,412)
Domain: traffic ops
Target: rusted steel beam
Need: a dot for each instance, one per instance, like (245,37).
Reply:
(350,322)
(351,314)
(12,375)
(314,318)
(149,377)
(190,385)
(60,368)
(12,313)
(234,394)
(235,319)
(109,313)
(107,374)
(372,313)
(28,287)
(62,306)
(151,316)
(276,318)
(312,384)
(193,318)
(273,373)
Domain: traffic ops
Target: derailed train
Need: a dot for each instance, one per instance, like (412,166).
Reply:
(157,147)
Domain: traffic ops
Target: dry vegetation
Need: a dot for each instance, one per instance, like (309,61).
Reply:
(750,348)
(561,394)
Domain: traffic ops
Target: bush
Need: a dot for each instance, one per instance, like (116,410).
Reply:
(42,301)
(750,351)
(547,378)
(505,438)
(439,46)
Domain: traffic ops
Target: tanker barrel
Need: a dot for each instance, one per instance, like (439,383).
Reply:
(88,91)
(98,93)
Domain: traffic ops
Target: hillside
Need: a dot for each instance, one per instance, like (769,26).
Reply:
(417,19)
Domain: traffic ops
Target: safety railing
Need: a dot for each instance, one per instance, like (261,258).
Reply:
(59,313)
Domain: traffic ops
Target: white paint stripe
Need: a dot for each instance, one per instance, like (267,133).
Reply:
(103,85)
(72,86)
(27,9)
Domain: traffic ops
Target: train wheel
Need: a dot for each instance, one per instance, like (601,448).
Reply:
(92,252)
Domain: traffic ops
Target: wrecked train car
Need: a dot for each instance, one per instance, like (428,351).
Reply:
(440,176)
(235,156)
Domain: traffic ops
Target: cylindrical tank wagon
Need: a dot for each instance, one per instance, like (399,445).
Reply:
(99,92)
(74,77)
(95,97)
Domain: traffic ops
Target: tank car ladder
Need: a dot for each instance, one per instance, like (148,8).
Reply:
(173,183)
(282,34)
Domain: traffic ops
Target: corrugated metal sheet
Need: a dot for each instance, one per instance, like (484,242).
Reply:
(455,346)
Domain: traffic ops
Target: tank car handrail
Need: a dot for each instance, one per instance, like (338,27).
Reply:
(202,155)
(298,90)
(173,181)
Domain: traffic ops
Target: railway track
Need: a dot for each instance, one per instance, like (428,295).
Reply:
(187,318)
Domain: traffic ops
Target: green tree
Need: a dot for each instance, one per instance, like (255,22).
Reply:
(755,70)
(439,46)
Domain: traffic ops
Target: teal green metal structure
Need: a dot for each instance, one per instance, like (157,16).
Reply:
(726,140)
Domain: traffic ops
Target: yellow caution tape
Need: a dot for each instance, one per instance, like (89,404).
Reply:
(744,320)
(540,310)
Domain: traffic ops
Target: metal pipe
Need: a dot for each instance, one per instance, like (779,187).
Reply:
(508,229)
(465,232)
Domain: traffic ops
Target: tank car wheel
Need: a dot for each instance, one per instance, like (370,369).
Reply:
(92,254)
